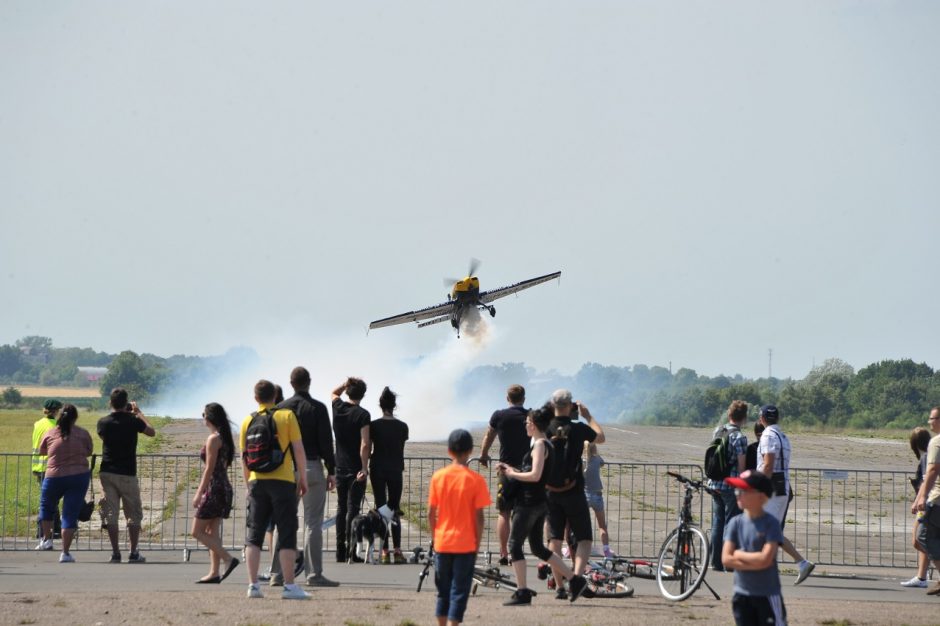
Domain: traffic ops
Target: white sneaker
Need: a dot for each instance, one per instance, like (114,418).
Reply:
(65,557)
(565,552)
(44,544)
(293,592)
(915,582)
(806,568)
(254,591)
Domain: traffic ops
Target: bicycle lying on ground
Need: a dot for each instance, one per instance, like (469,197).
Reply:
(486,576)
(608,578)
(683,558)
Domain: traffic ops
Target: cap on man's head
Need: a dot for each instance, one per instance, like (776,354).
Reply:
(460,441)
(752,480)
(52,405)
(770,413)
(561,396)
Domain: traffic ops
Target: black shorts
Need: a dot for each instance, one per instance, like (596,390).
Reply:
(569,507)
(749,610)
(272,501)
(504,499)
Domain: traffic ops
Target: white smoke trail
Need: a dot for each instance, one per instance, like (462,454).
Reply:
(426,384)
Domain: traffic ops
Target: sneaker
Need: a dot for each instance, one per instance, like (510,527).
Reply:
(577,585)
(44,544)
(543,570)
(277,580)
(935,590)
(134,557)
(355,558)
(254,591)
(293,592)
(561,594)
(115,557)
(504,559)
(398,558)
(519,597)
(65,557)
(550,583)
(915,582)
(319,580)
(806,568)
(608,553)
(386,557)
(565,552)
(264,576)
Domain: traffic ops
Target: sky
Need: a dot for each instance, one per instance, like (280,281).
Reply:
(713,180)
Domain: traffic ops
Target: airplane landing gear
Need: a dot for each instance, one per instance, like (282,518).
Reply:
(492,310)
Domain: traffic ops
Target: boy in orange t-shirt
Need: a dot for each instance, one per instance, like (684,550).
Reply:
(456,500)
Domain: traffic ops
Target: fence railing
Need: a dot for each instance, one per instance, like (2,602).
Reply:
(838,517)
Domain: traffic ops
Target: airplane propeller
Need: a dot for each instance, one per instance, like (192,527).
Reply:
(471,272)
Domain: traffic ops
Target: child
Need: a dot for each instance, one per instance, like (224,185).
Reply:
(456,499)
(750,549)
(594,492)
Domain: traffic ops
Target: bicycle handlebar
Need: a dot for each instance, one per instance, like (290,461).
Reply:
(694,484)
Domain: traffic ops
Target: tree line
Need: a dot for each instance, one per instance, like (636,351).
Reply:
(34,360)
(887,394)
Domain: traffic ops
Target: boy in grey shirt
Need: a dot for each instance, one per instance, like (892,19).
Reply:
(750,549)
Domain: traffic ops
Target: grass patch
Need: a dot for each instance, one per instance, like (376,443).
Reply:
(835,622)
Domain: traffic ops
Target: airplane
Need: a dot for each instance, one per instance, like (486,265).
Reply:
(463,297)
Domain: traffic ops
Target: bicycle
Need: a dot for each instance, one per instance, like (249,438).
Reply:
(608,578)
(486,576)
(683,558)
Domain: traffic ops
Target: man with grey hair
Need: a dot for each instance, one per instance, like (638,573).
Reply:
(565,484)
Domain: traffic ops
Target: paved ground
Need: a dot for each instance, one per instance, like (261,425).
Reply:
(38,590)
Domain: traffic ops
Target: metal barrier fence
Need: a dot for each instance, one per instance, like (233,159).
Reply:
(838,517)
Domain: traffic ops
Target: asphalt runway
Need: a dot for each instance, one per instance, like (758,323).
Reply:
(25,572)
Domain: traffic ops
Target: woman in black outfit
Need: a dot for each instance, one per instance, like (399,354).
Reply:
(386,464)
(528,514)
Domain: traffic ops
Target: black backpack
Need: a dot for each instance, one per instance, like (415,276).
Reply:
(566,466)
(718,462)
(262,452)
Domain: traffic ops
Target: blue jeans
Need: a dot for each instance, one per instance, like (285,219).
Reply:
(71,490)
(723,509)
(453,576)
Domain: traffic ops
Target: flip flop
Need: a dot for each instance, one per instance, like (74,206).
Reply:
(209,581)
(229,569)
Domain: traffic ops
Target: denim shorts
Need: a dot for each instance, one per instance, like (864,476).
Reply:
(595,500)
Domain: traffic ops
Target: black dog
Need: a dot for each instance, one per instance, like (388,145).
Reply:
(367,527)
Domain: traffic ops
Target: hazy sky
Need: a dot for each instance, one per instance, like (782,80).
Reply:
(713,179)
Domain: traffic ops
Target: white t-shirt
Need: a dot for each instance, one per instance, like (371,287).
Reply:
(772,441)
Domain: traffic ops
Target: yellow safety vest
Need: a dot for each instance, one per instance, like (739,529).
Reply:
(39,429)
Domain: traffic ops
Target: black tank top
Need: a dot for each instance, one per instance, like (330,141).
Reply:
(534,493)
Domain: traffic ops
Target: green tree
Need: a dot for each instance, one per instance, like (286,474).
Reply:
(35,343)
(12,396)
(11,360)
(127,370)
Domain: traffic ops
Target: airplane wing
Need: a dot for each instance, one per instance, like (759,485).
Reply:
(414,316)
(488,296)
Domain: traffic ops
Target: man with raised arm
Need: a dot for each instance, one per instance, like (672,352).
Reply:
(565,484)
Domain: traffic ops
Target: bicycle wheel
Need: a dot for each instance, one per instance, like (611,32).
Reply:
(612,587)
(492,577)
(682,563)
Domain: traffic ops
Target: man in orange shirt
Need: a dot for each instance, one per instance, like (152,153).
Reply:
(456,500)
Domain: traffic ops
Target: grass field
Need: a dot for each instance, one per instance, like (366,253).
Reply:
(19,494)
(38,391)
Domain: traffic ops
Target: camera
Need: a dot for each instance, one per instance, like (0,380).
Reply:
(574,410)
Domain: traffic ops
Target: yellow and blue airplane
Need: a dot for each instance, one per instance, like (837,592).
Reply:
(464,296)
